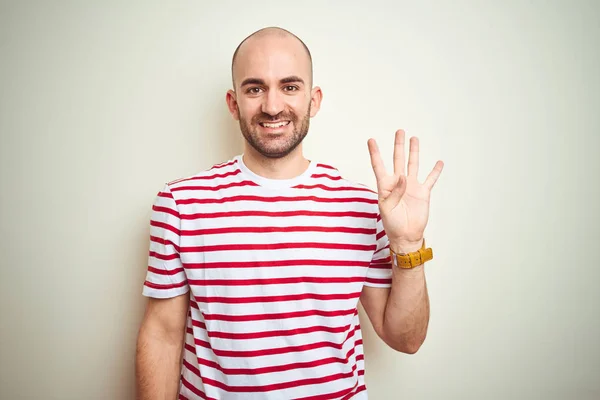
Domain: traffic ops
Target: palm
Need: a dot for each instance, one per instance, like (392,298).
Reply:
(403,201)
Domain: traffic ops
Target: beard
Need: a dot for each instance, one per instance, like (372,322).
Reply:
(275,147)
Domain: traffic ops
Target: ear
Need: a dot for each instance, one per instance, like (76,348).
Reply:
(231,100)
(316,95)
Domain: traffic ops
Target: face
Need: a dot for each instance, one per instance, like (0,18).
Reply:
(273,100)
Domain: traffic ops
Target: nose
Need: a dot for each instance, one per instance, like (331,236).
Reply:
(273,103)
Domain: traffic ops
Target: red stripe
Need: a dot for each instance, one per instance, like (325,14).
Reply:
(380,266)
(361,388)
(329,396)
(385,260)
(215,188)
(169,272)
(267,352)
(265,334)
(166,210)
(295,213)
(165,286)
(333,178)
(167,195)
(279,281)
(278,246)
(276,199)
(194,389)
(165,257)
(278,386)
(382,249)
(285,315)
(199,324)
(165,242)
(277,263)
(380,281)
(272,299)
(165,226)
(176,181)
(272,229)
(380,235)
(208,177)
(265,370)
(334,188)
(222,165)
(326,166)
(190,367)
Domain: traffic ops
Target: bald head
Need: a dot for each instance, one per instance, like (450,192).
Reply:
(267,40)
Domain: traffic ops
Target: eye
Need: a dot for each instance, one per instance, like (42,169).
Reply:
(290,88)
(254,90)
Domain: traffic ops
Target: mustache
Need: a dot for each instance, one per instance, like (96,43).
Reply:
(263,117)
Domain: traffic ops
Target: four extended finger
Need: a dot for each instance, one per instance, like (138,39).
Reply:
(413,157)
(434,175)
(399,159)
(376,161)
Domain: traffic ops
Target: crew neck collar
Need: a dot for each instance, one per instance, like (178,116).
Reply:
(275,183)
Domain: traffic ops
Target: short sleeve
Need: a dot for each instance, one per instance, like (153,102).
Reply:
(379,273)
(165,276)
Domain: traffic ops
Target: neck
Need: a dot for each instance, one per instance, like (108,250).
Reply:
(288,167)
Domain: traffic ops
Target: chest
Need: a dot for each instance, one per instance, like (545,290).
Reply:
(275,248)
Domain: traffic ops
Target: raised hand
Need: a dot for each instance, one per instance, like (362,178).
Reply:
(403,201)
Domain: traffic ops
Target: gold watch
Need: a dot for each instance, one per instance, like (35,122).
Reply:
(411,260)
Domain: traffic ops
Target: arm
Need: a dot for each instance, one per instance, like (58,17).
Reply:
(400,314)
(159,348)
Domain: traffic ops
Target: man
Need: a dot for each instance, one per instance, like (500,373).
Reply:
(257,265)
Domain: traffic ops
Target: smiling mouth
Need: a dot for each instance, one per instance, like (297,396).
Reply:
(274,124)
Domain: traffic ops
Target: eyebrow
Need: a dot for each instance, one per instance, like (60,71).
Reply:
(256,81)
(292,79)
(252,81)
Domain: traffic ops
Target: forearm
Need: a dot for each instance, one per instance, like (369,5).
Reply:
(158,366)
(407,309)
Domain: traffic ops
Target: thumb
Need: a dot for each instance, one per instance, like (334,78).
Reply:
(396,195)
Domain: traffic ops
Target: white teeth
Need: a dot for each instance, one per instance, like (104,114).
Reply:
(277,125)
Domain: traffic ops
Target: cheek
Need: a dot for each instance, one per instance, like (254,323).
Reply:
(299,105)
(248,109)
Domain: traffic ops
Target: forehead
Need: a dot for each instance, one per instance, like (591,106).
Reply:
(271,59)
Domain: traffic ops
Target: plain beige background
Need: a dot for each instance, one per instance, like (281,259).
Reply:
(103,102)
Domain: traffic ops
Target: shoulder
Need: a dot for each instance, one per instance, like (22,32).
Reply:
(207,177)
(330,176)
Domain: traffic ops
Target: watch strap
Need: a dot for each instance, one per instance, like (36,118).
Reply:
(413,259)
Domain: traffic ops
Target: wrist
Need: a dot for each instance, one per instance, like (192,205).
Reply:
(405,246)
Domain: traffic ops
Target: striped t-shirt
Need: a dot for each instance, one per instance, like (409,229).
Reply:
(274,269)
